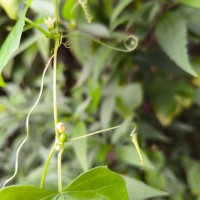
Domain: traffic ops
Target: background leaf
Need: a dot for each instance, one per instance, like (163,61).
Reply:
(11,7)
(194,3)
(2,83)
(171,35)
(80,146)
(11,43)
(138,190)
(67,11)
(118,9)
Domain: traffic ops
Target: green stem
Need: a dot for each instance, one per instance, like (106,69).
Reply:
(46,166)
(127,47)
(33,24)
(101,131)
(54,86)
(56,13)
(59,162)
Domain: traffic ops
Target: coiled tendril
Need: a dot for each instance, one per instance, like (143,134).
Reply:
(130,42)
(27,124)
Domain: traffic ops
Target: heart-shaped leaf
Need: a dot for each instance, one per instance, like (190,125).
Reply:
(24,193)
(97,183)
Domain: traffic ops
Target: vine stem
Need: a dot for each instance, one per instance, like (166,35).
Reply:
(59,162)
(55,86)
(54,109)
(101,131)
(133,43)
(33,24)
(46,165)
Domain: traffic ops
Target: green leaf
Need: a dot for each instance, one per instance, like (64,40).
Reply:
(81,108)
(45,8)
(194,3)
(80,146)
(24,193)
(11,7)
(67,11)
(95,29)
(138,190)
(11,43)
(192,168)
(2,83)
(149,132)
(172,37)
(130,97)
(97,183)
(118,9)
(128,155)
(164,102)
(107,107)
(82,49)
(191,16)
(95,64)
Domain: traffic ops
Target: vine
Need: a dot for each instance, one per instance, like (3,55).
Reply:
(129,44)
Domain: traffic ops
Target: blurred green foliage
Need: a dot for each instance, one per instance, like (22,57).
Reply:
(99,88)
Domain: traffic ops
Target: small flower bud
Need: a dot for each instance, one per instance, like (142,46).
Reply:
(62,138)
(60,127)
(49,22)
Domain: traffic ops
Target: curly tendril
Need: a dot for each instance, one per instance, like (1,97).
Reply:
(67,44)
(87,13)
(129,44)
(27,124)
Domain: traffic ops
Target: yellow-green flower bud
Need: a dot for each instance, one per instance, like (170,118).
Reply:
(62,138)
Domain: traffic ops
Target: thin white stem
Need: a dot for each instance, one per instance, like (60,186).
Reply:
(27,124)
